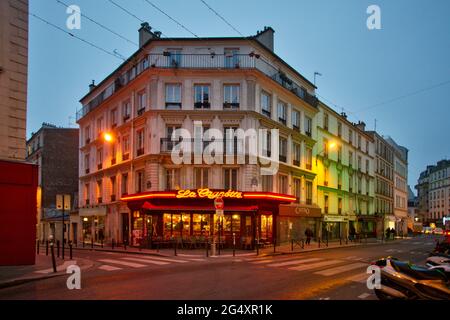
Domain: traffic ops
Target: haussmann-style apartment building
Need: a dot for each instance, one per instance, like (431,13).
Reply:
(131,190)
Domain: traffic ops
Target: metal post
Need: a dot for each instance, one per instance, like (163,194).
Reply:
(46,247)
(92,243)
(62,229)
(292,244)
(340,241)
(319,242)
(207,248)
(112,244)
(53,256)
(303,243)
(70,250)
(220,224)
(125,245)
(57,246)
(37,246)
(274,245)
(101,242)
(257,247)
(175,247)
(234,244)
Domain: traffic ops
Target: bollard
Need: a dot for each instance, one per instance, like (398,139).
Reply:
(46,247)
(292,244)
(101,243)
(53,256)
(124,245)
(346,240)
(274,245)
(62,249)
(303,243)
(234,244)
(70,250)
(57,248)
(92,243)
(319,242)
(257,248)
(37,246)
(175,247)
(112,244)
(207,248)
(340,241)
(83,243)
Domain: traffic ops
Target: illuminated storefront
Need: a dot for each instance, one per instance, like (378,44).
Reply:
(295,219)
(190,214)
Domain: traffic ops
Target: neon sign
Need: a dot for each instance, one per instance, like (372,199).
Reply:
(206,193)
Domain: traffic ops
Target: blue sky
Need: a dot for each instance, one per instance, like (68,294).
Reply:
(360,68)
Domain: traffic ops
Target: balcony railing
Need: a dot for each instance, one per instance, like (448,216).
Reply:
(125,156)
(309,201)
(308,166)
(296,163)
(282,158)
(200,61)
(113,197)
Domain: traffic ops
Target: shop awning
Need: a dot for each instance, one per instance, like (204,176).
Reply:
(90,212)
(149,206)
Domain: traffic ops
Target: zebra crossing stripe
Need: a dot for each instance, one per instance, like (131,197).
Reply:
(364,295)
(162,259)
(124,263)
(315,265)
(360,278)
(109,268)
(333,271)
(289,263)
(262,261)
(159,263)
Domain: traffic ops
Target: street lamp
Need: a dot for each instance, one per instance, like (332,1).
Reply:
(331,145)
(108,137)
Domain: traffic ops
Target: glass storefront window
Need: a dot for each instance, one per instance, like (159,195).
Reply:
(176,225)
(167,221)
(236,223)
(266,226)
(200,224)
(87,228)
(186,218)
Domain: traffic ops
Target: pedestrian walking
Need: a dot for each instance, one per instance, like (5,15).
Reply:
(308,234)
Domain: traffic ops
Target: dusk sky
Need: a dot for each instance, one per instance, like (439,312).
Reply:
(399,75)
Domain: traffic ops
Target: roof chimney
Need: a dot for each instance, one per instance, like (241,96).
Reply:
(265,37)
(92,86)
(344,115)
(145,34)
(361,125)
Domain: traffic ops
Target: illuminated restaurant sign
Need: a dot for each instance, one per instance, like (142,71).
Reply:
(206,193)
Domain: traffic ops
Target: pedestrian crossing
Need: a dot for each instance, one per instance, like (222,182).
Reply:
(319,266)
(141,261)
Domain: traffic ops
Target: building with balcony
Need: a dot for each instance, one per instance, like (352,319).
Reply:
(422,188)
(131,190)
(55,151)
(400,186)
(345,175)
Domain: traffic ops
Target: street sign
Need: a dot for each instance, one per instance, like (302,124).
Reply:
(219,212)
(218,204)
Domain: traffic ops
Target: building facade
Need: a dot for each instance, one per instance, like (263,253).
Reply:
(186,83)
(346,176)
(13,78)
(422,188)
(55,151)
(400,186)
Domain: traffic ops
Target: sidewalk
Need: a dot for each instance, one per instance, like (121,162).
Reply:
(43,269)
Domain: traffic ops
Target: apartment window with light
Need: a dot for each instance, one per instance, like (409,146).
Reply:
(124,184)
(339,205)
(282,112)
(283,149)
(173,96)
(142,102)
(325,148)
(99,126)
(297,154)
(297,189)
(295,119)
(140,181)
(230,179)
(325,176)
(231,94)
(201,176)
(309,191)
(114,118)
(282,184)
(126,110)
(201,96)
(308,126)
(86,163)
(99,158)
(325,206)
(308,158)
(267,183)
(113,154)
(173,179)
(266,104)
(113,188)
(367,187)
(99,191)
(140,142)
(125,148)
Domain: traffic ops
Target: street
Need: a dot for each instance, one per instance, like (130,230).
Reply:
(333,274)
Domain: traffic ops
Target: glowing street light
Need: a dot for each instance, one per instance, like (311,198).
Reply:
(329,146)
(108,137)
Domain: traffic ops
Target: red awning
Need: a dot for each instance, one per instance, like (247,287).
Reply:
(150,206)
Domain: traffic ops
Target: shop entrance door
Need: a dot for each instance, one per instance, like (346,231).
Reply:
(125,228)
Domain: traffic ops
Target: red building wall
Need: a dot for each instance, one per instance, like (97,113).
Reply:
(18,187)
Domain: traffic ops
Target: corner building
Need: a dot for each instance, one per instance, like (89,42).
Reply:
(129,188)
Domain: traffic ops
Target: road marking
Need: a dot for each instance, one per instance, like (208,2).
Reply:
(109,268)
(351,258)
(315,265)
(417,242)
(159,263)
(58,268)
(288,263)
(191,259)
(262,261)
(360,278)
(162,259)
(187,255)
(333,271)
(128,264)
(364,295)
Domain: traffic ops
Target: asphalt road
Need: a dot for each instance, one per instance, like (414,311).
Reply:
(328,275)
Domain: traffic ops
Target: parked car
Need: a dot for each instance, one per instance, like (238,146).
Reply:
(427,230)
(438,231)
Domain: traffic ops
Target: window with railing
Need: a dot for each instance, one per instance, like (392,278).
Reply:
(86,163)
(339,130)
(141,102)
(297,189)
(282,112)
(325,148)
(325,205)
(99,126)
(297,154)
(113,153)
(140,181)
(230,140)
(125,148)
(325,176)
(340,181)
(231,96)
(267,144)
(309,191)
(140,142)
(87,193)
(308,126)
(296,120)
(325,121)
(201,96)
(99,158)
(99,191)
(173,96)
(283,149)
(339,154)
(339,205)
(87,135)
(113,188)
(350,159)
(266,104)
(230,181)
(113,116)
(124,184)
(308,159)
(126,110)
(282,184)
